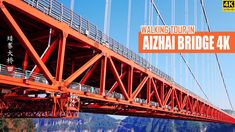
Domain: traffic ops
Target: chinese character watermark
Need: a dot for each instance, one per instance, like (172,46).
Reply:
(10,55)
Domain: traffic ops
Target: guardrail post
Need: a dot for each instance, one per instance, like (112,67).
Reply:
(96,34)
(80,18)
(61,12)
(71,22)
(50,7)
(37,4)
(88,29)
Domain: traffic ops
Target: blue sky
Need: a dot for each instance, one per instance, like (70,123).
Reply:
(204,65)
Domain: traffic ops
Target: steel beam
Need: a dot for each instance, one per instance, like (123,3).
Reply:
(138,89)
(118,79)
(103,75)
(159,100)
(25,42)
(116,83)
(89,73)
(47,55)
(72,77)
(130,80)
(61,55)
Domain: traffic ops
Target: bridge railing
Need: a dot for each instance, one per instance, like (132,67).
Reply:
(19,73)
(94,90)
(37,77)
(61,13)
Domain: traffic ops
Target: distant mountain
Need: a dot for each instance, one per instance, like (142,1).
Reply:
(103,123)
(86,122)
(138,124)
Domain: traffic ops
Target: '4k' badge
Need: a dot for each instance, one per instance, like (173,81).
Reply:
(228,5)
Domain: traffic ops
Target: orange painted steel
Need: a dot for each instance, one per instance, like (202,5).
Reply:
(80,74)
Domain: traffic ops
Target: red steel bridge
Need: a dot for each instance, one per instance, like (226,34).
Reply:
(64,65)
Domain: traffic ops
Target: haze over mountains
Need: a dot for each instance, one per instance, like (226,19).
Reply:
(105,123)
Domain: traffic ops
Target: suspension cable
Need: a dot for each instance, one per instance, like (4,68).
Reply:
(195,23)
(107,17)
(216,56)
(145,12)
(145,19)
(173,55)
(158,12)
(195,13)
(222,76)
(157,20)
(150,23)
(128,25)
(163,22)
(186,56)
(156,55)
(72,5)
(186,12)
(205,15)
(190,70)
